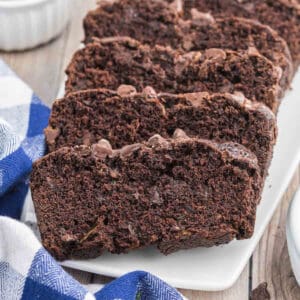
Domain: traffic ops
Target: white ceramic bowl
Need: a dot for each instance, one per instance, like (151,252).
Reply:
(26,24)
(293,234)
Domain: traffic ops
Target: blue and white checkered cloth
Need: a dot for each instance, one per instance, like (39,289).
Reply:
(27,271)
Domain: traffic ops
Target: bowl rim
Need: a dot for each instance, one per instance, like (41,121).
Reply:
(21,3)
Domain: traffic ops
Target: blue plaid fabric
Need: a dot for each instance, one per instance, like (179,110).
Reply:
(27,271)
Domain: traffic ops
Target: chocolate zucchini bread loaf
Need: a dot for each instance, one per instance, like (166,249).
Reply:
(175,194)
(115,61)
(126,117)
(281,15)
(136,18)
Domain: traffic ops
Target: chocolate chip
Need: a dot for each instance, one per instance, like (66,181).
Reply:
(51,134)
(196,99)
(149,92)
(215,54)
(261,292)
(129,149)
(102,149)
(157,140)
(126,90)
(201,18)
(179,134)
(155,197)
(86,139)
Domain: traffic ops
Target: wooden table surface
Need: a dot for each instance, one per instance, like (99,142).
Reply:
(43,70)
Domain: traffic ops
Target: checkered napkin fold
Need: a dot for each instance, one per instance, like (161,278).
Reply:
(27,271)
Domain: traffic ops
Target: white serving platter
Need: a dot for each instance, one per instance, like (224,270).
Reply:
(217,268)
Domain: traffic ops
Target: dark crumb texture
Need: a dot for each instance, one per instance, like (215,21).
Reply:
(261,292)
(125,117)
(282,15)
(115,61)
(175,194)
(154,22)
(142,20)
(239,34)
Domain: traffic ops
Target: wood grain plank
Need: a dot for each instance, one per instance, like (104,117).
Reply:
(101,279)
(271,260)
(82,277)
(76,34)
(40,67)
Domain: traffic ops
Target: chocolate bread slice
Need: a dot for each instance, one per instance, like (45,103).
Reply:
(142,20)
(126,117)
(137,18)
(175,194)
(281,15)
(203,32)
(116,61)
